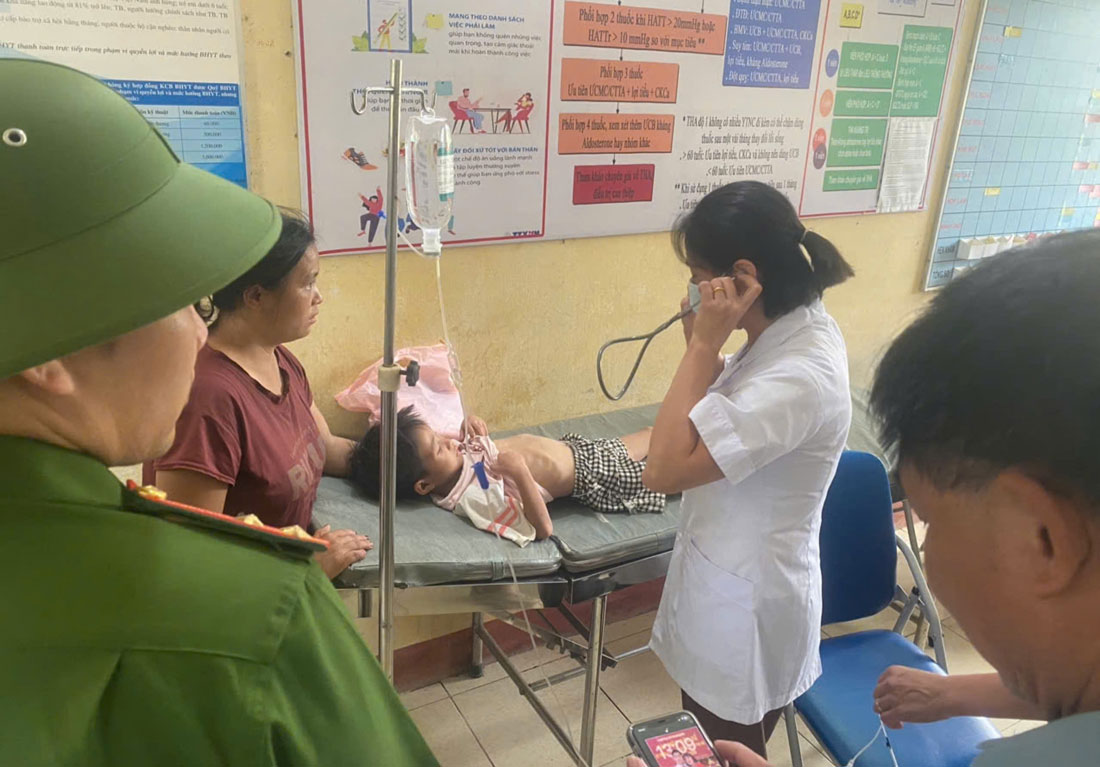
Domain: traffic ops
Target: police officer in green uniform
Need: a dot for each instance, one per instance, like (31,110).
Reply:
(135,632)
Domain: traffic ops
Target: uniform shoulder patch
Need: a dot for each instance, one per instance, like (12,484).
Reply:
(153,501)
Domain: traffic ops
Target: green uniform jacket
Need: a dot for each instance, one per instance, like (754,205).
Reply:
(131,635)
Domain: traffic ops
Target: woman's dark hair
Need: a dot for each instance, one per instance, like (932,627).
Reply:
(366,459)
(753,221)
(294,240)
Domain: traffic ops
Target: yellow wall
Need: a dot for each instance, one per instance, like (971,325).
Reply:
(528,319)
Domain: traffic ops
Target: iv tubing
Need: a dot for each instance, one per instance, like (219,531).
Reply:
(452,355)
(456,377)
(648,338)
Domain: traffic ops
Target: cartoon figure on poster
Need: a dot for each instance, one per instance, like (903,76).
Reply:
(686,748)
(468,113)
(359,159)
(468,110)
(388,25)
(373,214)
(519,114)
(393,33)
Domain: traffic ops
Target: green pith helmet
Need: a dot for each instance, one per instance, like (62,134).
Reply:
(102,228)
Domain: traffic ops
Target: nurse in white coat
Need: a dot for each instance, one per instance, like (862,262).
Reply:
(752,440)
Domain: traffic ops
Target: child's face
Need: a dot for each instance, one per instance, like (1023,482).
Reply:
(441,459)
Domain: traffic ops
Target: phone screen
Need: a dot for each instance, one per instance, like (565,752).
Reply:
(683,748)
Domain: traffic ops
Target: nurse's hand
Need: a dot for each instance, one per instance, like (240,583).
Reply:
(688,320)
(734,754)
(724,304)
(345,548)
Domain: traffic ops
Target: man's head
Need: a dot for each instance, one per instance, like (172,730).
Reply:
(992,399)
(427,462)
(107,241)
(465,91)
(118,400)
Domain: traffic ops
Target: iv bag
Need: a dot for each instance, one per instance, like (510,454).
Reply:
(430,177)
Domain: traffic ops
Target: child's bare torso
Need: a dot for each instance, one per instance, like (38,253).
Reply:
(550,461)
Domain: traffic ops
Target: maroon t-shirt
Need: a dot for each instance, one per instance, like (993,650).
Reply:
(266,447)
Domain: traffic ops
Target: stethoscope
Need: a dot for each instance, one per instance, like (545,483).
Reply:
(693,299)
(648,338)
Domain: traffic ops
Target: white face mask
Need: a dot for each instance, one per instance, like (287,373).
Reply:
(694,297)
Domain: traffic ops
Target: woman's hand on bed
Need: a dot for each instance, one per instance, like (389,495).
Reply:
(345,548)
(476,426)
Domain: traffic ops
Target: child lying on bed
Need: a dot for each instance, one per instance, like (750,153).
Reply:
(521,474)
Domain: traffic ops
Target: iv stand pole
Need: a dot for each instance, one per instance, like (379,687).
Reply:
(389,376)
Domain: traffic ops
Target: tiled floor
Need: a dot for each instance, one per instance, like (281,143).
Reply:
(486,723)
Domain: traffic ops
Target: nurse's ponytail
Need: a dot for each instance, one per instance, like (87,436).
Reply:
(753,221)
(829,266)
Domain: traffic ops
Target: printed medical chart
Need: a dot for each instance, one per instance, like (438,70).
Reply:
(177,61)
(1027,160)
(575,119)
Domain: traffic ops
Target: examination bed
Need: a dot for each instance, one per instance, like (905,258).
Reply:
(444,565)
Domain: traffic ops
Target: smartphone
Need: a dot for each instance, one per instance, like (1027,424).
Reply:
(674,740)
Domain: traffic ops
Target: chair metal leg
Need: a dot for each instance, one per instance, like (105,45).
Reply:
(921,636)
(592,678)
(477,667)
(911,528)
(927,603)
(790,717)
(912,601)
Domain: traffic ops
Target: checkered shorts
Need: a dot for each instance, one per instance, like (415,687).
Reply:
(608,479)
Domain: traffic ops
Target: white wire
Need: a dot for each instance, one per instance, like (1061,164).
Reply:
(415,249)
(889,748)
(542,666)
(452,355)
(456,378)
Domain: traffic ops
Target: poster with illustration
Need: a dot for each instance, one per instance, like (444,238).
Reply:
(575,118)
(388,27)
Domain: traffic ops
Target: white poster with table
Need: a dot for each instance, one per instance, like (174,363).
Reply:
(575,119)
(178,62)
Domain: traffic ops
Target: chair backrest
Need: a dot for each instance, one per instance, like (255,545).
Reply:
(524,113)
(864,436)
(858,549)
(460,114)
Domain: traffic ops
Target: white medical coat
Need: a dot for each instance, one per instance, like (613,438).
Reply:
(739,623)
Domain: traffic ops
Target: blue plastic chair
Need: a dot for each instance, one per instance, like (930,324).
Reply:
(859,579)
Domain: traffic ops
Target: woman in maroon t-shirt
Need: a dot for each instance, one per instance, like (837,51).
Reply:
(251,440)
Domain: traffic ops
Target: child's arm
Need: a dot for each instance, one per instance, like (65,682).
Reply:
(534,508)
